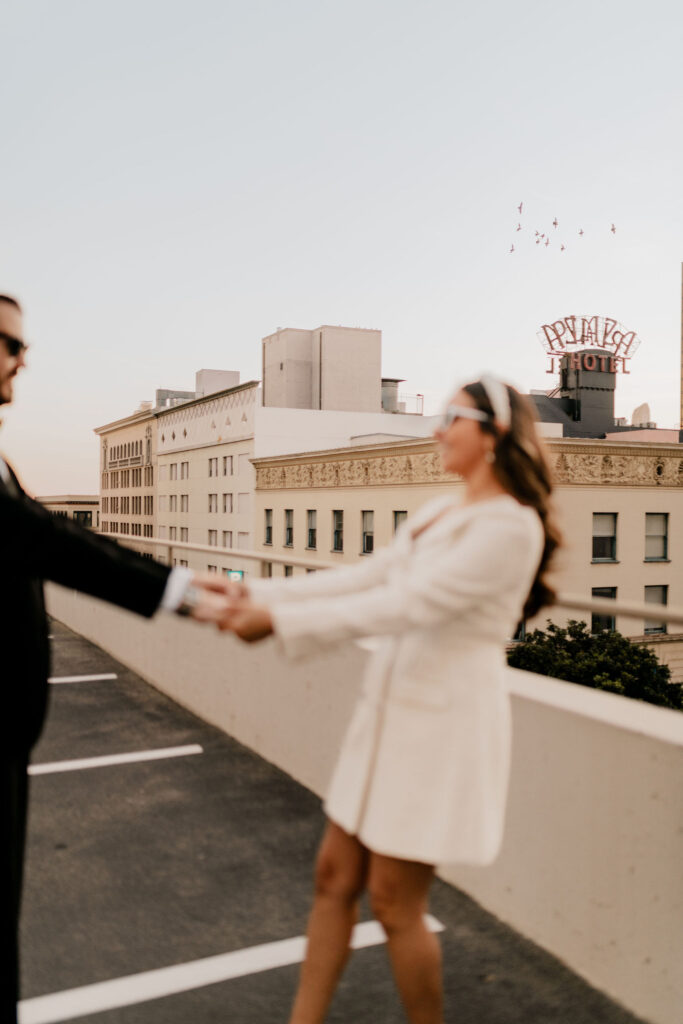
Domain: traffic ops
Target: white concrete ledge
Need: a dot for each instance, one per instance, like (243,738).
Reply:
(591,861)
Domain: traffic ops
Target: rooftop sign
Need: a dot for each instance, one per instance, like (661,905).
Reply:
(573,334)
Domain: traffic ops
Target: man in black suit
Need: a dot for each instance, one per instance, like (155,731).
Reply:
(36,546)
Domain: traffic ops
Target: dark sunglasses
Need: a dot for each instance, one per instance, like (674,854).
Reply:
(461,412)
(15,346)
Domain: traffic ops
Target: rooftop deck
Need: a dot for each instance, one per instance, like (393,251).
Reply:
(206,852)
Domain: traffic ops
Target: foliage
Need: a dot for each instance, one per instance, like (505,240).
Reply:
(604,661)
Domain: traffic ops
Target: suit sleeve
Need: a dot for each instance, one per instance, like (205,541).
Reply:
(494,554)
(38,545)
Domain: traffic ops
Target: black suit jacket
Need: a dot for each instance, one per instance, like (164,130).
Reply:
(37,546)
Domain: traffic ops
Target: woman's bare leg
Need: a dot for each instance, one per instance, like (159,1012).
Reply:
(340,875)
(398,893)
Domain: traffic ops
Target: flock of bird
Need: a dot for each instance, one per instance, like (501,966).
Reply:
(540,236)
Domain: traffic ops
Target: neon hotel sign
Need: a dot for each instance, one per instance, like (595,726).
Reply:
(574,334)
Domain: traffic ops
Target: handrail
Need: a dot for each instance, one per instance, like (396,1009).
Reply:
(598,605)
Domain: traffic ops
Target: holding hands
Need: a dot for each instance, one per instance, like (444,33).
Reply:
(226,604)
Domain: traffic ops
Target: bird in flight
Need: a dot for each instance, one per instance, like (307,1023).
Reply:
(538,241)
(547,242)
(555,223)
(613,230)
(512,249)
(520,207)
(581,231)
(519,227)
(561,248)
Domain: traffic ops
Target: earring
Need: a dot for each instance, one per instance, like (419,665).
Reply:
(490,457)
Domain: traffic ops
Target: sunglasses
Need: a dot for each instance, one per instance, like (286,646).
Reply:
(462,412)
(15,346)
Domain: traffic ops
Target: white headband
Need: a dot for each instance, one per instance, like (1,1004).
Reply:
(499,399)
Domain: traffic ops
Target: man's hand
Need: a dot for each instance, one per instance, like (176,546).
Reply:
(248,621)
(233,590)
(212,607)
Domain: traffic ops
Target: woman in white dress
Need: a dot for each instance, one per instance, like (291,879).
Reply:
(423,771)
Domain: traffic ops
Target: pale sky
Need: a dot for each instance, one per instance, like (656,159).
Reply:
(179,179)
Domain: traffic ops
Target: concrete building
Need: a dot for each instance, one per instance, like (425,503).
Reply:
(619,505)
(84,508)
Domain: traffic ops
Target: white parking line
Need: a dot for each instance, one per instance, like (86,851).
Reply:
(83,679)
(140,988)
(51,767)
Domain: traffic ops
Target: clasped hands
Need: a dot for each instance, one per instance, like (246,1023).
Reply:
(226,604)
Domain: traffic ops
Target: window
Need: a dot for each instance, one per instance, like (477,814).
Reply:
(213,503)
(213,467)
(227,465)
(227,538)
(289,570)
(602,622)
(84,518)
(604,536)
(338,530)
(289,527)
(184,502)
(184,470)
(213,538)
(227,502)
(149,476)
(212,568)
(656,595)
(173,533)
(656,536)
(268,539)
(173,471)
(173,503)
(243,504)
(368,528)
(268,569)
(183,534)
(399,517)
(183,563)
(312,522)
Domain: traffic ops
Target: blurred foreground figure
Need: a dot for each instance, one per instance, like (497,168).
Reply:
(36,546)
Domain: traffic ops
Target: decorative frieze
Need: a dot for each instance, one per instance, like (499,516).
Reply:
(572,465)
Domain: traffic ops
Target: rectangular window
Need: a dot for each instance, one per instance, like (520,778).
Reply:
(603,622)
(656,595)
(338,530)
(289,570)
(212,568)
(656,536)
(312,523)
(213,467)
(183,534)
(227,465)
(173,503)
(149,476)
(173,533)
(268,569)
(213,503)
(184,502)
(213,538)
(227,538)
(174,471)
(289,527)
(604,536)
(268,538)
(183,563)
(368,529)
(184,470)
(227,503)
(399,517)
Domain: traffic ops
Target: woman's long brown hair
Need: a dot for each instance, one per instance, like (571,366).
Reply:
(522,468)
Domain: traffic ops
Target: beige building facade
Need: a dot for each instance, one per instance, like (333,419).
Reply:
(83,508)
(127,477)
(620,508)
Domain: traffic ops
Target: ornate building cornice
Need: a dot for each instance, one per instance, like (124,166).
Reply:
(575,463)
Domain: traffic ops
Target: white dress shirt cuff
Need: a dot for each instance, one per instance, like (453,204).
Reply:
(176,585)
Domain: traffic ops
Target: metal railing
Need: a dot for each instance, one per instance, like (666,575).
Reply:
(576,602)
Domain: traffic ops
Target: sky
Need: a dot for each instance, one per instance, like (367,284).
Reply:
(178,180)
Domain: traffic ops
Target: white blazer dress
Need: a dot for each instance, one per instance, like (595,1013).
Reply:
(423,770)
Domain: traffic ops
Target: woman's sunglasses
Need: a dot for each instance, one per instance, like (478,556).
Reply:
(462,412)
(15,346)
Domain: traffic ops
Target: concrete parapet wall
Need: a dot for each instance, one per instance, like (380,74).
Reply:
(591,862)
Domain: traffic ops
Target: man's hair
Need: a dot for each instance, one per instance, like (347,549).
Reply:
(10,301)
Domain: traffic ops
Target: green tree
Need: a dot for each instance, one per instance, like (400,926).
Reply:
(604,661)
